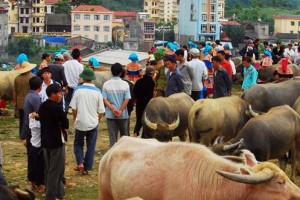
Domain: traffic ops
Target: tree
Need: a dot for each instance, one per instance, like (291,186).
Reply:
(62,7)
(236,33)
(25,45)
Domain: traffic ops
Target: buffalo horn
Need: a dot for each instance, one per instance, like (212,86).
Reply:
(252,113)
(235,159)
(219,140)
(175,124)
(149,123)
(255,178)
(231,146)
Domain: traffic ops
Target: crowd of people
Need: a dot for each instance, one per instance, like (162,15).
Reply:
(43,100)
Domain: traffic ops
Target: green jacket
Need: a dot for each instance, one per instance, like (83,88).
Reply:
(160,80)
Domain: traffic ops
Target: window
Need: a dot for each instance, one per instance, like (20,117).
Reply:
(203,28)
(96,28)
(27,20)
(105,38)
(86,17)
(96,38)
(96,17)
(22,10)
(106,17)
(77,16)
(292,32)
(76,28)
(148,27)
(52,9)
(106,28)
(86,28)
(212,18)
(213,28)
(292,23)
(298,23)
(204,17)
(146,4)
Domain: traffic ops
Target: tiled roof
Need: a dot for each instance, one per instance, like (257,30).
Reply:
(51,1)
(89,8)
(121,13)
(229,23)
(297,17)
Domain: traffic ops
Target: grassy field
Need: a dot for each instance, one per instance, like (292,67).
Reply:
(15,167)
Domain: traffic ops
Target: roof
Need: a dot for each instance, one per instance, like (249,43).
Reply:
(287,35)
(296,17)
(96,8)
(51,1)
(121,13)
(113,56)
(79,46)
(229,23)
(58,19)
(117,21)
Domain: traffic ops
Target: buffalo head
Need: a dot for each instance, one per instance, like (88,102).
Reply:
(227,148)
(162,131)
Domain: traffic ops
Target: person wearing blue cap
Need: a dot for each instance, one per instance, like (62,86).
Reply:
(267,60)
(134,69)
(94,64)
(20,59)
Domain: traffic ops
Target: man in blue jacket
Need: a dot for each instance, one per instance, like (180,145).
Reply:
(250,74)
(174,78)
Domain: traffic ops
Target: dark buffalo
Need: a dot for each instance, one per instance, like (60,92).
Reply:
(266,75)
(268,136)
(15,193)
(166,117)
(210,118)
(265,96)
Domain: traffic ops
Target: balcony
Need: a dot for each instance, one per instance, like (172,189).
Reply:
(38,5)
(38,24)
(38,14)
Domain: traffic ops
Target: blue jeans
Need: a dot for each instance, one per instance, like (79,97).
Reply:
(91,139)
(113,126)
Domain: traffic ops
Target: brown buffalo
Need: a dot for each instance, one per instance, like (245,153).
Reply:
(210,118)
(153,170)
(268,136)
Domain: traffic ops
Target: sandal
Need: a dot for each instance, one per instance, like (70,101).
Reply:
(79,168)
(85,172)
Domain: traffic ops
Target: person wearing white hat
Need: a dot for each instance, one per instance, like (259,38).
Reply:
(200,73)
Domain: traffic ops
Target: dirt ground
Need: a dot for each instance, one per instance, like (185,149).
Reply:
(85,187)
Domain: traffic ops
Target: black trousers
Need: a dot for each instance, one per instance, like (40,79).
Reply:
(139,114)
(195,95)
(21,120)
(37,163)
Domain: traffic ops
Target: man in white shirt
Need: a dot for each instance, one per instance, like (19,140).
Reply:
(200,73)
(88,108)
(73,68)
(289,52)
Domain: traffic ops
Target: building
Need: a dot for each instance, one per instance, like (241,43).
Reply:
(3,24)
(287,24)
(198,20)
(25,16)
(255,30)
(118,31)
(142,29)
(162,10)
(38,16)
(12,18)
(221,9)
(49,6)
(58,23)
(93,22)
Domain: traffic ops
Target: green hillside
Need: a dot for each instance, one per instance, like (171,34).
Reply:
(265,3)
(129,5)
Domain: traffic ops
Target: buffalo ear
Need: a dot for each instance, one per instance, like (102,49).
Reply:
(245,171)
(250,159)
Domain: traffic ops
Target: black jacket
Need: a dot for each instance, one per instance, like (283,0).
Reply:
(53,119)
(58,73)
(222,84)
(143,91)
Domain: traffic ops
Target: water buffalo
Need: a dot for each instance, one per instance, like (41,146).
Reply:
(209,118)
(7,80)
(101,77)
(176,170)
(166,117)
(15,193)
(265,96)
(268,136)
(266,75)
